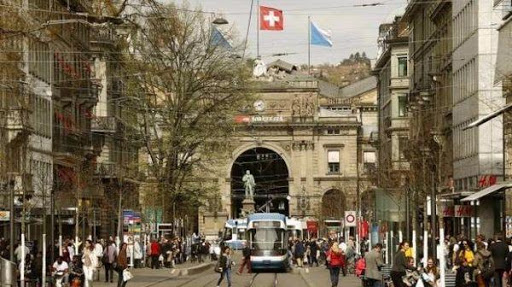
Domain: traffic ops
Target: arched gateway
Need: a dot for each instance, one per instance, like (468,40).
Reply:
(271,177)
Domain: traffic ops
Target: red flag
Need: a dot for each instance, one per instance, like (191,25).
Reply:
(271,19)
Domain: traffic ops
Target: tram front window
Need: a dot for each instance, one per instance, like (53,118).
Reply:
(228,234)
(267,239)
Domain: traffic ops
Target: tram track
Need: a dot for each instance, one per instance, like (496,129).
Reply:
(275,281)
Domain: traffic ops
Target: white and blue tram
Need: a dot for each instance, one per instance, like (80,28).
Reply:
(234,233)
(266,235)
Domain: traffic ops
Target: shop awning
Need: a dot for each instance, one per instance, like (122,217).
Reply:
(503,67)
(488,117)
(487,191)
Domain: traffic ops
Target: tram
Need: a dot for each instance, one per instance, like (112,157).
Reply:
(266,235)
(294,229)
(234,233)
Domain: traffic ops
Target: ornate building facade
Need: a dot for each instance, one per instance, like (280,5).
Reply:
(306,144)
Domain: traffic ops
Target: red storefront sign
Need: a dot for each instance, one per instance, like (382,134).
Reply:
(448,211)
(463,210)
(487,180)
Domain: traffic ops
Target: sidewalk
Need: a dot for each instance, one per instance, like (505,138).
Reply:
(143,277)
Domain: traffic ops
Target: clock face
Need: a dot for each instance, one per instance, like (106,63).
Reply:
(259,105)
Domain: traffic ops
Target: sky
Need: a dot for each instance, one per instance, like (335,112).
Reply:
(354,29)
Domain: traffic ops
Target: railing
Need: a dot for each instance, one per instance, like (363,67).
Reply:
(103,35)
(106,169)
(104,124)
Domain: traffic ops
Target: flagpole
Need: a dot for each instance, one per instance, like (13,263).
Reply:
(309,45)
(258,31)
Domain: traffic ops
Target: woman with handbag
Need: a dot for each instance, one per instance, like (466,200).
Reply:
(90,262)
(224,266)
(335,262)
(122,265)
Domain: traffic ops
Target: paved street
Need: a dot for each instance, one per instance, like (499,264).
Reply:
(311,277)
(306,277)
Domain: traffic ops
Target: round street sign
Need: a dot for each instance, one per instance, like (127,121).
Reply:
(350,218)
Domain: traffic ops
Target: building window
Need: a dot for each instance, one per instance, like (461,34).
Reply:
(369,161)
(402,66)
(402,146)
(333,131)
(333,160)
(402,106)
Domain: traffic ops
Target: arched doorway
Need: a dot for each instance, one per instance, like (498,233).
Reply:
(333,204)
(271,176)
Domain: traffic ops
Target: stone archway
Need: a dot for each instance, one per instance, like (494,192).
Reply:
(271,175)
(333,204)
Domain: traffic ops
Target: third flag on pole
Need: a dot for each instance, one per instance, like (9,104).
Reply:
(271,19)
(319,36)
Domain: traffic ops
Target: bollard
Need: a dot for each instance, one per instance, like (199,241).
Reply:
(7,273)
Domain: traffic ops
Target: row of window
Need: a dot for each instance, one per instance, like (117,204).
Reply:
(333,160)
(39,60)
(465,141)
(40,116)
(42,173)
(465,22)
(465,81)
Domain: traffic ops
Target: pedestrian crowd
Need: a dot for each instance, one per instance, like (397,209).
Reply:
(478,263)
(79,264)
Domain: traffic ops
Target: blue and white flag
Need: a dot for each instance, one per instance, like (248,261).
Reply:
(319,36)
(218,38)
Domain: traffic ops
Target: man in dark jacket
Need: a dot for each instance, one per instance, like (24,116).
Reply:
(299,252)
(246,260)
(313,247)
(499,252)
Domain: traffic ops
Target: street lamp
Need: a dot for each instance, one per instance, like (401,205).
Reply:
(220,21)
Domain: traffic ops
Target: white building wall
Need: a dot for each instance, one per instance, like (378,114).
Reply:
(476,151)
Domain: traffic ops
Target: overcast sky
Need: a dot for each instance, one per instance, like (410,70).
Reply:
(353,28)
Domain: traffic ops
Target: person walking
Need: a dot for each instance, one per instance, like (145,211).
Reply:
(299,252)
(122,264)
(399,266)
(335,261)
(484,265)
(155,253)
(499,251)
(246,259)
(109,257)
(90,262)
(313,246)
(374,262)
(137,254)
(225,264)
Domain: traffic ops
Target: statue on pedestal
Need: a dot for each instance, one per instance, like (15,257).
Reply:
(249,185)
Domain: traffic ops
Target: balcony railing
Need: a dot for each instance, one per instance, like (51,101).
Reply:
(104,124)
(102,35)
(106,169)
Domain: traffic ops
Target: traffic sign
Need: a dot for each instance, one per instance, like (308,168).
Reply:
(350,218)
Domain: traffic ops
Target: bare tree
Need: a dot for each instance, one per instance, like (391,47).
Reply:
(185,89)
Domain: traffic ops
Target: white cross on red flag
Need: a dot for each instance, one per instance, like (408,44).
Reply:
(271,19)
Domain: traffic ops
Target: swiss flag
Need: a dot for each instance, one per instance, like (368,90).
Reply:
(271,19)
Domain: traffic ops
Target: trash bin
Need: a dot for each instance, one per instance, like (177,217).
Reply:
(7,273)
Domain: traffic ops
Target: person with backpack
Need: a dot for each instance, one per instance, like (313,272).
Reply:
(484,266)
